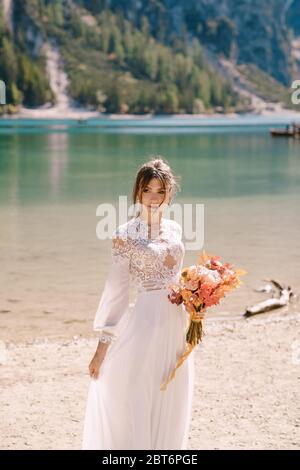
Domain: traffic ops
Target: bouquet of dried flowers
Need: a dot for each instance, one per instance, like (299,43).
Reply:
(201,286)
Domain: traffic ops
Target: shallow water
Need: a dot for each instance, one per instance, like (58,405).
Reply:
(53,175)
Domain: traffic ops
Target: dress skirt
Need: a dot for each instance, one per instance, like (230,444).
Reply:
(125,407)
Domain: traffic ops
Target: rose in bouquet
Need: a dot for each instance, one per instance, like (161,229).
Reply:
(201,286)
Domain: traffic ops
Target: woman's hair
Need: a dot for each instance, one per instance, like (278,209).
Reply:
(158,168)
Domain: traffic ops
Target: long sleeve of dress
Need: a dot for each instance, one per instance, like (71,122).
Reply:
(114,300)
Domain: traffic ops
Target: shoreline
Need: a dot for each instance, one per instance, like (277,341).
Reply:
(57,113)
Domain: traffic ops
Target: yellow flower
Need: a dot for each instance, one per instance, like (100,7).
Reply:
(186,294)
(196,300)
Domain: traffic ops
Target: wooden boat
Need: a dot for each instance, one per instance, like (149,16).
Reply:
(281,132)
(292,130)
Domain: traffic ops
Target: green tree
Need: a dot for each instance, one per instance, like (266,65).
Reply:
(8,62)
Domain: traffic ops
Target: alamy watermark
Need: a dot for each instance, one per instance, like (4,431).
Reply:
(2,92)
(295,98)
(189,216)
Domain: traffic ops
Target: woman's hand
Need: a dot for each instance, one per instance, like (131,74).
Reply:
(97,360)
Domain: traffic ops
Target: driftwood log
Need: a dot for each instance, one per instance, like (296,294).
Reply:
(285,294)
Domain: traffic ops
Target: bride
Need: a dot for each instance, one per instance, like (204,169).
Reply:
(139,346)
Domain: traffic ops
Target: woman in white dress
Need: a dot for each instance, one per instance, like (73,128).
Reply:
(140,345)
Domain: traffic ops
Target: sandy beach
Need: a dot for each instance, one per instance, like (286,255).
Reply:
(246,390)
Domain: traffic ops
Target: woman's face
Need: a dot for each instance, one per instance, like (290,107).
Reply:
(154,194)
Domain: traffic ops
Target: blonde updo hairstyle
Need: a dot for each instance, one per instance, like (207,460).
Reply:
(158,168)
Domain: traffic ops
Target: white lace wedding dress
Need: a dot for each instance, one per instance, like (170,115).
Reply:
(125,407)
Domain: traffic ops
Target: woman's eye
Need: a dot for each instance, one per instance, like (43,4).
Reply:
(160,192)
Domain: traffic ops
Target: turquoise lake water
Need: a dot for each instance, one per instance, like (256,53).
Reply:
(54,174)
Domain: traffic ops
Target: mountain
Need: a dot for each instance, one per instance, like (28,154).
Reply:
(139,56)
(246,31)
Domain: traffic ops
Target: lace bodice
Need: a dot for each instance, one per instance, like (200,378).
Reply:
(153,262)
(149,263)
